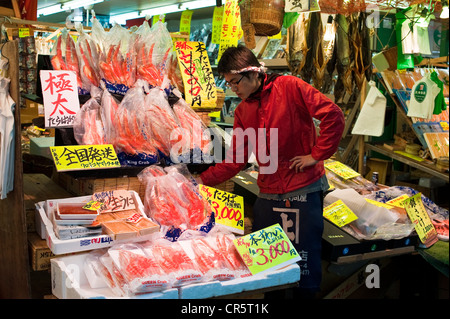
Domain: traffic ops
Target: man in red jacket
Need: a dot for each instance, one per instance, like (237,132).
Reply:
(275,122)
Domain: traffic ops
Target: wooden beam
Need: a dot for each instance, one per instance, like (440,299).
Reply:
(14,264)
(16,9)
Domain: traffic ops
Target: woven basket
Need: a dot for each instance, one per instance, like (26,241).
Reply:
(391,57)
(265,15)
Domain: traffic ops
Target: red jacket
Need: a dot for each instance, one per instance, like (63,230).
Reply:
(288,104)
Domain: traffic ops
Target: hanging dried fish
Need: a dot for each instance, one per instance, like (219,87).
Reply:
(323,51)
(343,63)
(311,40)
(298,47)
(358,36)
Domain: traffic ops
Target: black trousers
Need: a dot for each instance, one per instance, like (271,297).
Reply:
(302,220)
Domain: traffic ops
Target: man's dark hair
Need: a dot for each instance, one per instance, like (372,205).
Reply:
(236,58)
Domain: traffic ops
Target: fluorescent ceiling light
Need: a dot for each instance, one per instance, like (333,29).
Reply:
(50,10)
(191,5)
(66,6)
(79,3)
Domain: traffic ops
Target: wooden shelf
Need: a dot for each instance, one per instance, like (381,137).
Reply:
(426,165)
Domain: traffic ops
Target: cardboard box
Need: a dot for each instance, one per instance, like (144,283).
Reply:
(39,252)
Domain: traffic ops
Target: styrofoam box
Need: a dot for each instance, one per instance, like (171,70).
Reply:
(69,281)
(44,227)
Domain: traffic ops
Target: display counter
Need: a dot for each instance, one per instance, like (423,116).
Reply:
(338,246)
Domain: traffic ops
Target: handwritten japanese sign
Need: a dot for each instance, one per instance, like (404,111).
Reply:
(185,21)
(217,24)
(266,249)
(340,169)
(115,200)
(419,217)
(339,214)
(231,26)
(60,92)
(199,85)
(77,157)
(228,208)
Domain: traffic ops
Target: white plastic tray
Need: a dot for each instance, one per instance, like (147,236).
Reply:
(45,209)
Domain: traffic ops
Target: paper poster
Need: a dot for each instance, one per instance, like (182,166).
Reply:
(79,157)
(228,208)
(115,200)
(339,214)
(231,26)
(60,93)
(266,249)
(185,21)
(199,84)
(419,217)
(296,5)
(217,24)
(340,169)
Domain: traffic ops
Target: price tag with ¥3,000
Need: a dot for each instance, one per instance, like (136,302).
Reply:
(228,208)
(266,249)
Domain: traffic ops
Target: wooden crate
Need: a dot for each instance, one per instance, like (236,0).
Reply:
(89,186)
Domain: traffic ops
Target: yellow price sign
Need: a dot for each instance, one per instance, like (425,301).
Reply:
(24,32)
(228,208)
(79,157)
(341,170)
(185,21)
(217,24)
(339,214)
(231,26)
(266,249)
(379,204)
(93,205)
(419,217)
(398,201)
(198,78)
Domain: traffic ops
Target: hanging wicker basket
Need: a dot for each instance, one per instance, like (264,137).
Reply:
(265,15)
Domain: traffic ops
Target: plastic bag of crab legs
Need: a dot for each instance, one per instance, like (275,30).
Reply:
(64,57)
(154,52)
(128,128)
(209,257)
(117,57)
(87,51)
(88,126)
(173,259)
(140,269)
(173,201)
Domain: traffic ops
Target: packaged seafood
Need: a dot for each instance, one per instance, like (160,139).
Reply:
(172,258)
(144,226)
(119,230)
(104,218)
(75,211)
(139,269)
(210,260)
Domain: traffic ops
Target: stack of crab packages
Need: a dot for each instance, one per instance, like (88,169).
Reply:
(136,102)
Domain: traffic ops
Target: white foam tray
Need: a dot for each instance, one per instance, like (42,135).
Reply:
(69,281)
(44,228)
